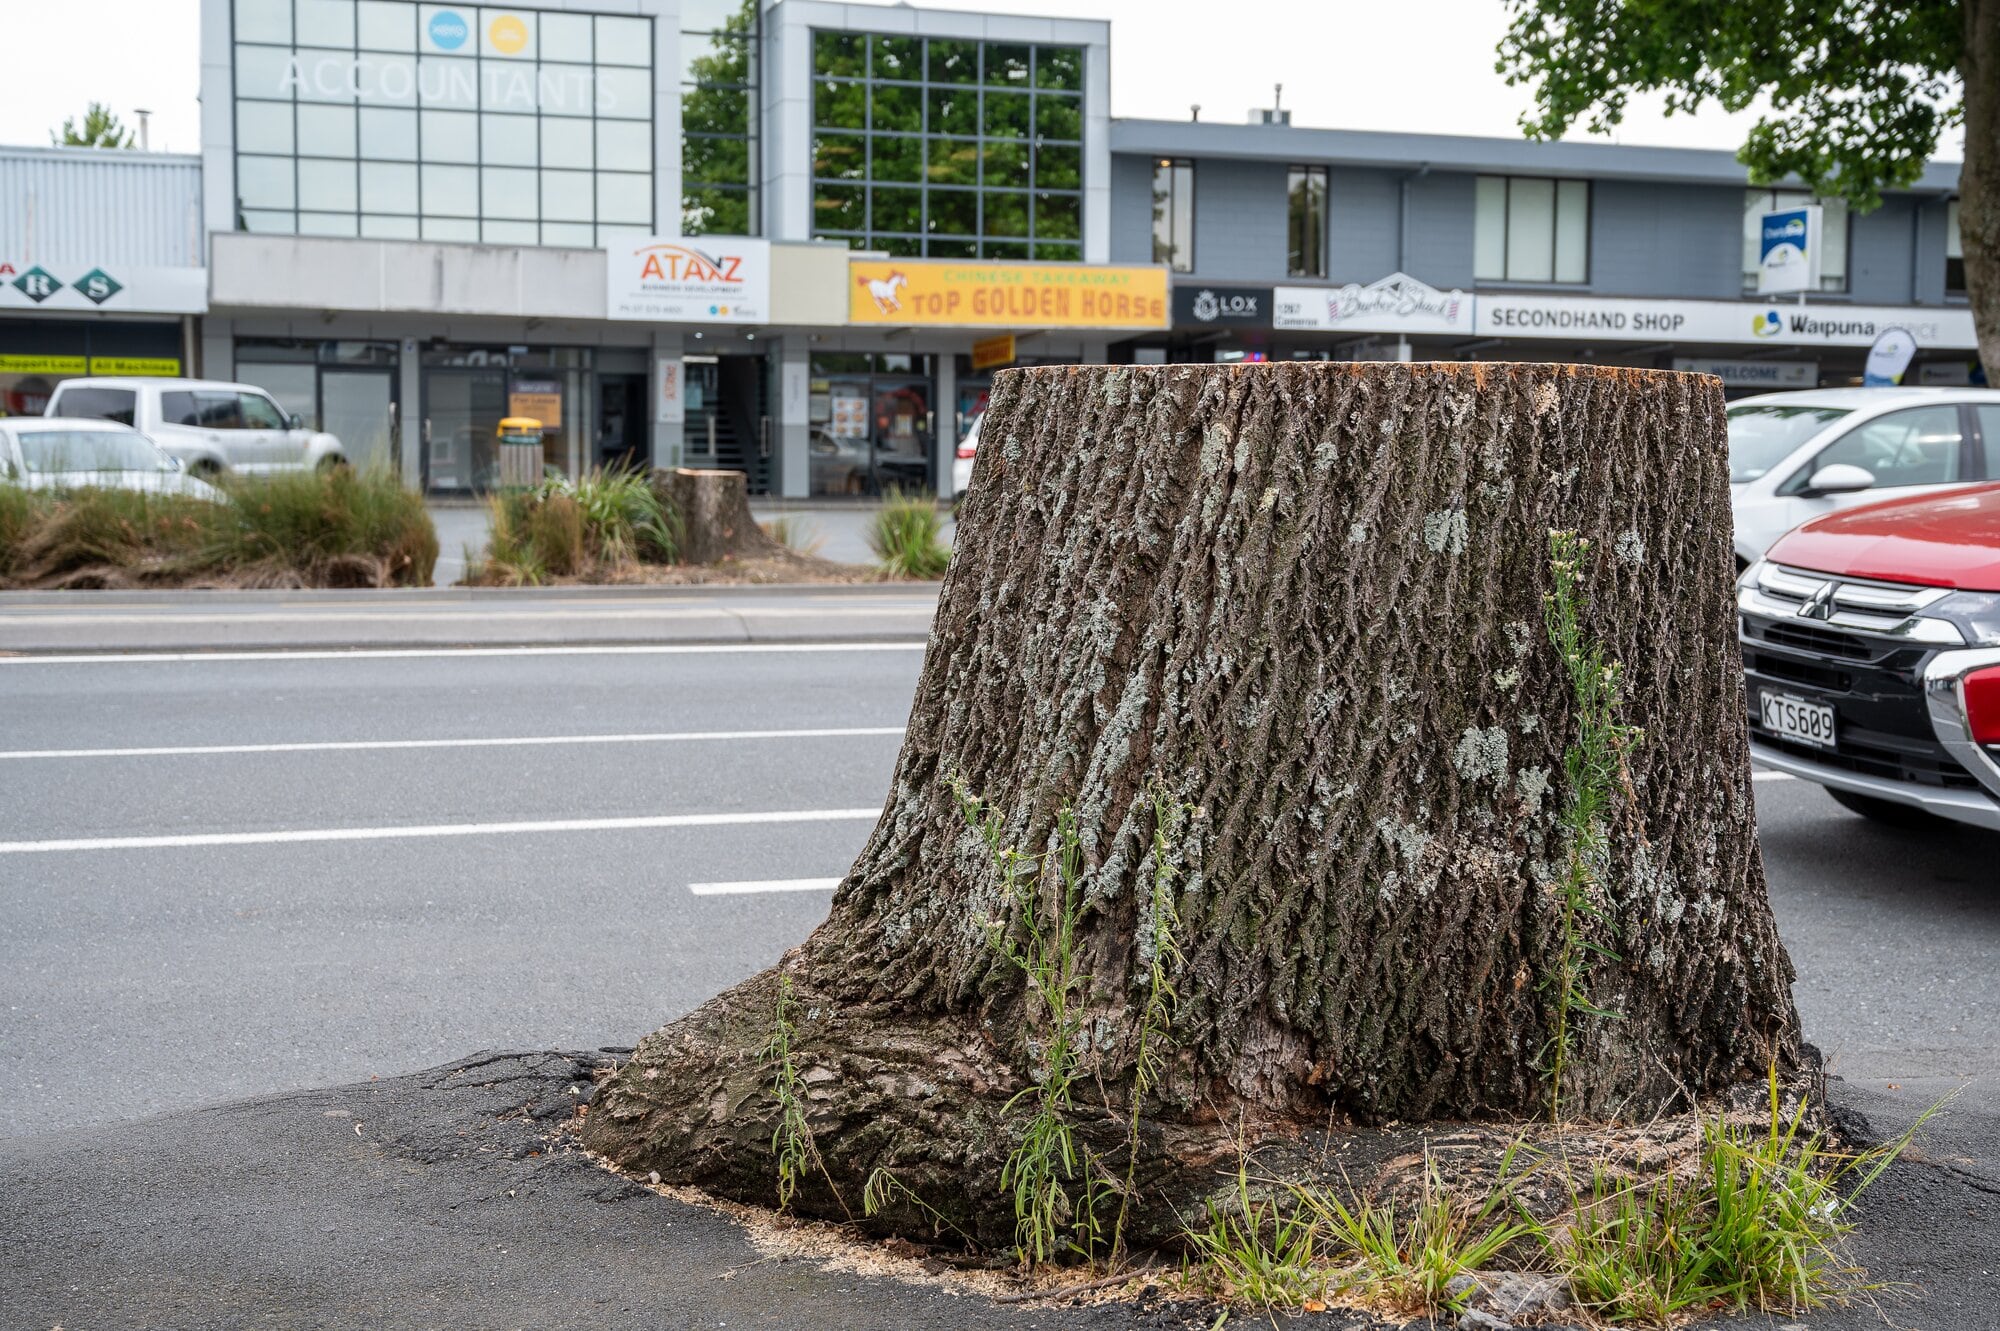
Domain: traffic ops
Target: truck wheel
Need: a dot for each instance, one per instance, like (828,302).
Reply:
(1888,812)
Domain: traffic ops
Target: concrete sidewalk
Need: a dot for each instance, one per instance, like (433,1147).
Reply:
(42,622)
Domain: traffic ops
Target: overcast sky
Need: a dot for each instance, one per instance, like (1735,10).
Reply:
(1418,65)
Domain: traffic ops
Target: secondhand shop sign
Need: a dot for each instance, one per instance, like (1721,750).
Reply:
(1005,294)
(693,279)
(1583,318)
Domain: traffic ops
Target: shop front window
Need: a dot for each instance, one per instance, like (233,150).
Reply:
(872,424)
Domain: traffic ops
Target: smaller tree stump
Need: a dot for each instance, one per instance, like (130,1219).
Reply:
(714,512)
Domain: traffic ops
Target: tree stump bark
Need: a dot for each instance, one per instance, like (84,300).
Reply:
(714,512)
(1307,600)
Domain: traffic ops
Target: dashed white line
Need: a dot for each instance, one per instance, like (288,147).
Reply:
(509,741)
(1772,776)
(764,885)
(317,834)
(412,653)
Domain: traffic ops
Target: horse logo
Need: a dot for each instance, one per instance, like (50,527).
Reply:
(883,291)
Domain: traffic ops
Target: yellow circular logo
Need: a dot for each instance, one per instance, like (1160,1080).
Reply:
(508,34)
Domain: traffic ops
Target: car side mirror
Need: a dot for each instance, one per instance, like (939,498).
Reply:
(1839,478)
(295,422)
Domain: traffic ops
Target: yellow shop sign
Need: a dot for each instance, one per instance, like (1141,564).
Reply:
(1007,295)
(41,365)
(166,366)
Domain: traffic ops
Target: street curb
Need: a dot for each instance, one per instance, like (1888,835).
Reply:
(210,598)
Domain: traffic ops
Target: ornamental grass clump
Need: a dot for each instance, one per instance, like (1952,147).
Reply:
(906,535)
(594,528)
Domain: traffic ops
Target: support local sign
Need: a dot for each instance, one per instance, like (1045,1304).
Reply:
(1000,294)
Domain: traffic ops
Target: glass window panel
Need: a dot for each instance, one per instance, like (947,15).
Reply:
(1058,217)
(624,146)
(1572,231)
(953,111)
(509,192)
(268,223)
(1059,118)
(449,136)
(716,161)
(712,15)
(386,80)
(1756,203)
(843,54)
(896,158)
(326,76)
(1006,165)
(1003,249)
(897,109)
(1058,253)
(510,233)
(1489,228)
(715,111)
(624,198)
(565,90)
(954,62)
(443,82)
(574,235)
(264,182)
(898,58)
(716,59)
(954,162)
(1531,225)
(450,228)
(1006,115)
(567,142)
(1059,67)
(839,207)
(450,191)
(385,25)
(1006,66)
(389,228)
(624,41)
(1173,190)
(565,37)
(1006,213)
(1058,166)
(388,187)
(329,224)
(613,235)
(264,21)
(1184,216)
(951,249)
(264,127)
(507,34)
(508,85)
(326,131)
(896,210)
(507,140)
(953,212)
(325,22)
(261,72)
(569,196)
(1954,242)
(1305,222)
(327,186)
(841,157)
(901,247)
(713,210)
(625,94)
(1833,245)
(840,105)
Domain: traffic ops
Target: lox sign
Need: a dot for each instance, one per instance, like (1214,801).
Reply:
(689,279)
(1788,251)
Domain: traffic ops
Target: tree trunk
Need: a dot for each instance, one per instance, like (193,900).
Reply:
(713,508)
(1307,600)
(1979,176)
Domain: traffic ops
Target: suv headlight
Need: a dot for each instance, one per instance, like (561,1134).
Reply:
(1975,614)
(1748,577)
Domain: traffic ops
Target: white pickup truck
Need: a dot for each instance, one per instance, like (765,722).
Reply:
(210,426)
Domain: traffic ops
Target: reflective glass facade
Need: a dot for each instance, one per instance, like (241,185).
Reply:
(442,122)
(719,43)
(948,148)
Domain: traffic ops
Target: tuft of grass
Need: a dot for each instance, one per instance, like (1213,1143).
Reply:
(906,534)
(792,1144)
(794,533)
(1258,1252)
(340,527)
(883,1190)
(589,527)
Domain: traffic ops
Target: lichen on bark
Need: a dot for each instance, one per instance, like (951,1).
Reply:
(1234,583)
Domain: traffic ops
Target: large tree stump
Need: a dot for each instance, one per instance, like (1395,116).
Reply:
(1308,599)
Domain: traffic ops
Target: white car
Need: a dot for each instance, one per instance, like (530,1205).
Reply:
(54,453)
(210,426)
(961,461)
(1795,456)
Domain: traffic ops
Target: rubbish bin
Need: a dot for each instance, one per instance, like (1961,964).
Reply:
(520,449)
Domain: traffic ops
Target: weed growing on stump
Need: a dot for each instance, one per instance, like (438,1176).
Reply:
(791,1140)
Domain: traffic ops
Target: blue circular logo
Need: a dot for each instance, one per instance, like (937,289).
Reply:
(448,30)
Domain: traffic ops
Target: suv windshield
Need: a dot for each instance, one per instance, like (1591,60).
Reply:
(47,451)
(1763,434)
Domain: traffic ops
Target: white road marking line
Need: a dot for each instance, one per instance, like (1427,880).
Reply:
(407,653)
(474,615)
(764,885)
(436,830)
(515,741)
(1772,776)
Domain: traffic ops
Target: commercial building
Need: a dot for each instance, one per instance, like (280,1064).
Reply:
(797,237)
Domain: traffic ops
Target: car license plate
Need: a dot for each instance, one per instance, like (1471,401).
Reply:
(1797,719)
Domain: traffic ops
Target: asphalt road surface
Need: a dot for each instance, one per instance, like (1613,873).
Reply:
(226,877)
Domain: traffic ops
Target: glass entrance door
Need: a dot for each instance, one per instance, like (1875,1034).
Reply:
(902,436)
(462,409)
(358,408)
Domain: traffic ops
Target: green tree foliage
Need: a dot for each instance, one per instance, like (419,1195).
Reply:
(100,130)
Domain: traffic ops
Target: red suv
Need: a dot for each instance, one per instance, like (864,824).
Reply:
(1871,656)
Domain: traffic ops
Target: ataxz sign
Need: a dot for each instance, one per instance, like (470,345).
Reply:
(709,279)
